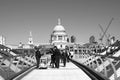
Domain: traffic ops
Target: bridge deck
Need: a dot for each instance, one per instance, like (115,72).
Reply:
(70,72)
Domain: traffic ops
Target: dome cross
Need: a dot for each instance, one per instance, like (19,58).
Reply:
(59,21)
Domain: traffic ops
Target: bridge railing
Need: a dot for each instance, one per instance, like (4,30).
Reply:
(89,71)
(13,63)
(106,62)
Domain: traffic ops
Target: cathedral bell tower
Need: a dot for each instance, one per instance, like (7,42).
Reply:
(30,42)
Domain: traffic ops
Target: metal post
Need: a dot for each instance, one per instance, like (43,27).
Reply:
(105,71)
(113,67)
(97,65)
(11,61)
(22,62)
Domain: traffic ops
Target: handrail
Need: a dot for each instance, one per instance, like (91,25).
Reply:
(112,54)
(21,73)
(90,72)
(16,63)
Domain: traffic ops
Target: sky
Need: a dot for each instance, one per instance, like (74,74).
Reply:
(79,18)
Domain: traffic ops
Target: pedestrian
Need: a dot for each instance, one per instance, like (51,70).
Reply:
(64,57)
(57,56)
(38,56)
(61,56)
(52,63)
(67,53)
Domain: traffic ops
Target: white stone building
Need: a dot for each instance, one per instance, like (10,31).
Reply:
(59,36)
(2,40)
(30,42)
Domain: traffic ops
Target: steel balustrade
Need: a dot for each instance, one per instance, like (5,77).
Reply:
(10,64)
(104,62)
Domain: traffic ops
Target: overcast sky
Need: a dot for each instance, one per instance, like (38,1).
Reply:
(79,17)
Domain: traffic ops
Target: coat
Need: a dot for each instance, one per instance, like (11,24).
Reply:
(38,54)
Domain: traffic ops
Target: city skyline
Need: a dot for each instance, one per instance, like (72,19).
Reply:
(79,18)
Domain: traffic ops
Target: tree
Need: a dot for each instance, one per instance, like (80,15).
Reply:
(92,39)
(73,39)
(68,40)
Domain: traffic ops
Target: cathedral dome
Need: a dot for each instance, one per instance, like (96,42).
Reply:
(59,27)
(59,36)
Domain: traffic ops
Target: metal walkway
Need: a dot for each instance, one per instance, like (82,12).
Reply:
(70,72)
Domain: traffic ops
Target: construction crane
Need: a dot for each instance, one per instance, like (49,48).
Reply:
(107,36)
(104,32)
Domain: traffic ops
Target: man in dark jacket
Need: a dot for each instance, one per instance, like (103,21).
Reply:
(57,56)
(38,56)
(52,63)
(64,57)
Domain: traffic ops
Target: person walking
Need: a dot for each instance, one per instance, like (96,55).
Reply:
(68,54)
(64,57)
(37,56)
(57,56)
(52,63)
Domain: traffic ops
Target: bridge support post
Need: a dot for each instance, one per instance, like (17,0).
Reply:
(11,61)
(115,73)
(105,71)
(97,66)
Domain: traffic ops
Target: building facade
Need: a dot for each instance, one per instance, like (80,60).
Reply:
(59,36)
(2,40)
(30,40)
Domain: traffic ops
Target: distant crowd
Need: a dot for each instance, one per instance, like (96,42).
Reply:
(57,56)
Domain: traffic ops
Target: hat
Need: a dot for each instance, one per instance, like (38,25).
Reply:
(55,46)
(36,48)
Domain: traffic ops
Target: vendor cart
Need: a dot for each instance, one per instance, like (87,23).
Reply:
(43,62)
